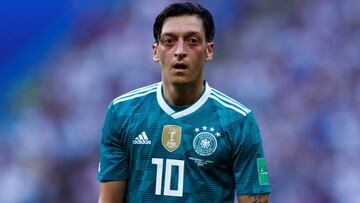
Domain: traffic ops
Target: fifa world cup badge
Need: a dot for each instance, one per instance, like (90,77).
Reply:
(171,137)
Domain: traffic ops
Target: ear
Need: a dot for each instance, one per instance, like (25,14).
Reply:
(155,52)
(209,51)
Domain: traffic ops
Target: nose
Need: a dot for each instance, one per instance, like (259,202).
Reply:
(180,49)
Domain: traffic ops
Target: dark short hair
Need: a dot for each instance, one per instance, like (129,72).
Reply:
(179,9)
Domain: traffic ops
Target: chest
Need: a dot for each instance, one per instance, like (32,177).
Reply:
(199,141)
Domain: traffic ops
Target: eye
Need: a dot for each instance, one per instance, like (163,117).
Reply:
(167,41)
(194,41)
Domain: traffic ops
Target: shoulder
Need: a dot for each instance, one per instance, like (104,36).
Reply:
(127,103)
(228,104)
(135,95)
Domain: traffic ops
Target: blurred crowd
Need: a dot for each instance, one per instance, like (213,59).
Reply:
(296,64)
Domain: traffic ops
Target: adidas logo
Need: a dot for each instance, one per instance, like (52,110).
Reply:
(142,139)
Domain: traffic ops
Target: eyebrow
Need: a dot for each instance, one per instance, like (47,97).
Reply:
(172,34)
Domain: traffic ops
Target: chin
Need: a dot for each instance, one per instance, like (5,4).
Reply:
(180,81)
(183,82)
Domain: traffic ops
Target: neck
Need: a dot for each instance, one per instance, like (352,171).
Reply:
(181,95)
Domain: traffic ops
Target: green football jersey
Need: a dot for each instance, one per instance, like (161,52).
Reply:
(203,153)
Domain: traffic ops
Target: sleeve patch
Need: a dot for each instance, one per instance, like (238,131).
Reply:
(262,172)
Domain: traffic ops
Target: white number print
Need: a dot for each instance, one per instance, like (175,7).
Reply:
(159,174)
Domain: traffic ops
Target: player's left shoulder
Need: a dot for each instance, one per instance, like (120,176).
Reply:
(228,104)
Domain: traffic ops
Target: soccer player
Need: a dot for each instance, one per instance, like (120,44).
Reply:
(180,140)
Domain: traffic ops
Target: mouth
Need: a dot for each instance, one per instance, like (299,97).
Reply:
(180,66)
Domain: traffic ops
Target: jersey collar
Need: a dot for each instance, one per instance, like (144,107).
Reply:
(165,107)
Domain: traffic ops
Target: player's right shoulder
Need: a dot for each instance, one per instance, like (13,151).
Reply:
(135,94)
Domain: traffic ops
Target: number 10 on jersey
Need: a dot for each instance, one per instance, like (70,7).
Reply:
(159,174)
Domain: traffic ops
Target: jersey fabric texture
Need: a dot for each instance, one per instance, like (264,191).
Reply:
(204,153)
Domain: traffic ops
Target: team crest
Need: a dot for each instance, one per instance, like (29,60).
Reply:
(205,143)
(171,137)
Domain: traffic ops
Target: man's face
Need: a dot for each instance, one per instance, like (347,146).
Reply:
(182,50)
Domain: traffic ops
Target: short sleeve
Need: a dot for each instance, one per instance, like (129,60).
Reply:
(113,158)
(249,166)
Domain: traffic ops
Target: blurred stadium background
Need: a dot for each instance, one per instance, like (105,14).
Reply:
(295,63)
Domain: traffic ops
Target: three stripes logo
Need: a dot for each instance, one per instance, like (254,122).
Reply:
(142,139)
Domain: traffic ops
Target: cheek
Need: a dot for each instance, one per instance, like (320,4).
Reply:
(164,56)
(199,55)
(200,50)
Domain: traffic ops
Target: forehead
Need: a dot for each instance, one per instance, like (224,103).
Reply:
(183,24)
